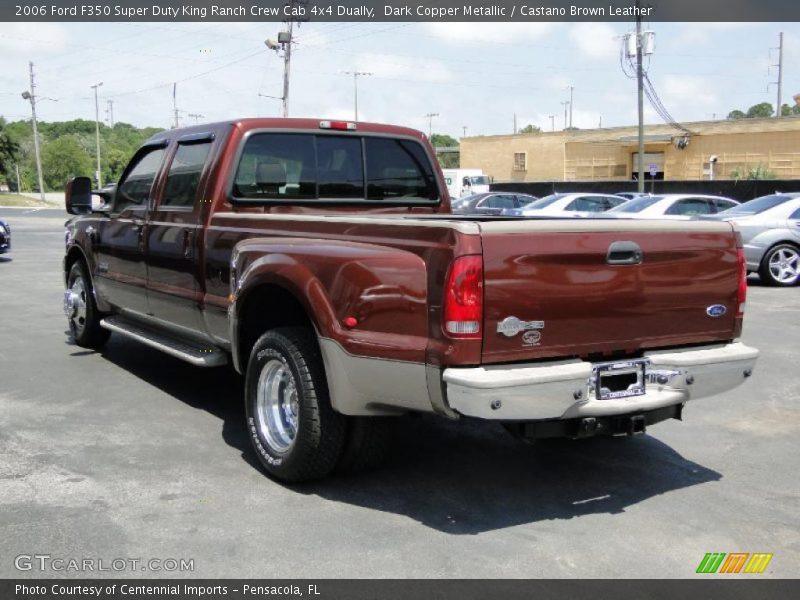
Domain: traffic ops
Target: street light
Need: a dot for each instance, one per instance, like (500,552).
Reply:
(97,176)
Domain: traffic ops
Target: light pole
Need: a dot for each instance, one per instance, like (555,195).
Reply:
(552,122)
(430,116)
(464,127)
(98,176)
(30,95)
(356,75)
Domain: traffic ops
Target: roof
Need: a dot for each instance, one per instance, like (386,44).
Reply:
(663,132)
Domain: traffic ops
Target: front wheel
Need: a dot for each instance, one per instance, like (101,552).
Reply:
(292,426)
(781,266)
(79,306)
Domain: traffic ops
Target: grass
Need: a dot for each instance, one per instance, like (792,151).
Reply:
(17,200)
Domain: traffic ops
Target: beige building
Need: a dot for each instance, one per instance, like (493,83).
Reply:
(612,153)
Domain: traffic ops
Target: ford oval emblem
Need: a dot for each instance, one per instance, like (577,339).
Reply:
(716,310)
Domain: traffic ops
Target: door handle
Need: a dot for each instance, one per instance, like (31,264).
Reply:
(624,253)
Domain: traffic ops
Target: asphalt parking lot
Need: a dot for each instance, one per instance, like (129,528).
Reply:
(130,453)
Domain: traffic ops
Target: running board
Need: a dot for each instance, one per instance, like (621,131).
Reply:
(193,354)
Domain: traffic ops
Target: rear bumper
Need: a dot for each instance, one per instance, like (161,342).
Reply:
(562,390)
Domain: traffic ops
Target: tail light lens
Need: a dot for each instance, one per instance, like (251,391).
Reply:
(463,298)
(741,293)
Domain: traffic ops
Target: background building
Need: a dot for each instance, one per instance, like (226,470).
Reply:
(741,146)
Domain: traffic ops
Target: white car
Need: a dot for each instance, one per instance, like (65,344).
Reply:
(568,205)
(672,206)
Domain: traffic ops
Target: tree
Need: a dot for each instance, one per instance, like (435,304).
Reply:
(789,111)
(62,159)
(9,148)
(736,114)
(747,172)
(447,160)
(760,111)
(530,129)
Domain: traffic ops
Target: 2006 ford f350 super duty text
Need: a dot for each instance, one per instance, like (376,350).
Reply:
(321,259)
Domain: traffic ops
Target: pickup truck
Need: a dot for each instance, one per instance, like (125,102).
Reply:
(321,260)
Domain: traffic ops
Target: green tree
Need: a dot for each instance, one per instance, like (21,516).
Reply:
(62,159)
(9,149)
(447,160)
(530,129)
(748,172)
(737,114)
(790,111)
(764,109)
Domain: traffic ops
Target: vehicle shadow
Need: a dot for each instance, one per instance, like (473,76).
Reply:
(463,477)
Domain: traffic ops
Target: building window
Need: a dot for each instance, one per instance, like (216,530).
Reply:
(520,161)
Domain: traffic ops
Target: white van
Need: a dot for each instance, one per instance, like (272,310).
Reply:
(462,182)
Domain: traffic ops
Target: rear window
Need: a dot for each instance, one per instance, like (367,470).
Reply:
(277,167)
(759,205)
(637,204)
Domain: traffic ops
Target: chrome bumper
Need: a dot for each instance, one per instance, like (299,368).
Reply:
(565,389)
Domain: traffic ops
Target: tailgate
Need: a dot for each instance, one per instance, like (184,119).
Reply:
(555,276)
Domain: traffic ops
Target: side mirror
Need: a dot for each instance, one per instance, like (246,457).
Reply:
(78,196)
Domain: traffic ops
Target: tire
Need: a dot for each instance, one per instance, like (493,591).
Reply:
(369,440)
(82,314)
(780,266)
(294,430)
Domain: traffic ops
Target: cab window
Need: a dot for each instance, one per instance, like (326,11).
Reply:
(137,183)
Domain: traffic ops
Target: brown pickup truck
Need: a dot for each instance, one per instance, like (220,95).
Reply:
(321,259)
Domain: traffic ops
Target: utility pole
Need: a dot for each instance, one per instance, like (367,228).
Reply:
(552,122)
(19,182)
(175,105)
(571,89)
(31,96)
(430,116)
(97,176)
(565,104)
(287,61)
(356,75)
(640,95)
(464,129)
(110,112)
(780,74)
(600,125)
(515,123)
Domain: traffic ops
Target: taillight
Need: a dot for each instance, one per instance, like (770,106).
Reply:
(741,292)
(463,298)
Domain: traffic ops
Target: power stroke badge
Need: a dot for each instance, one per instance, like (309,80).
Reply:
(511,326)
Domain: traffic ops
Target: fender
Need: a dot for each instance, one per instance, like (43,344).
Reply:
(383,290)
(73,245)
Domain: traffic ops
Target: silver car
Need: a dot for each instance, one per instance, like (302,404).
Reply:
(770,228)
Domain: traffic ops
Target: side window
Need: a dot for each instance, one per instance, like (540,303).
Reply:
(795,215)
(134,189)
(690,206)
(398,169)
(587,204)
(614,201)
(724,205)
(184,174)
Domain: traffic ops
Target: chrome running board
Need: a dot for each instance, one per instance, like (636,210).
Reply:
(196,355)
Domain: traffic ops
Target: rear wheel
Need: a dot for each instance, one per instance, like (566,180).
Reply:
(781,266)
(79,306)
(294,430)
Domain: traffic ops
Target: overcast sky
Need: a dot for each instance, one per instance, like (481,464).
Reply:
(473,75)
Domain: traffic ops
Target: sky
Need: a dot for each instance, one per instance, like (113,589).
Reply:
(474,75)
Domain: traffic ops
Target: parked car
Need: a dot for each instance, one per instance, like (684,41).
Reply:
(490,203)
(672,206)
(322,260)
(5,237)
(770,228)
(568,205)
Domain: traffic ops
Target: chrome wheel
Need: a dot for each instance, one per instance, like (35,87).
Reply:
(784,265)
(277,406)
(75,305)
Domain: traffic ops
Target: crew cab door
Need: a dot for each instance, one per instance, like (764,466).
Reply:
(174,234)
(121,276)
